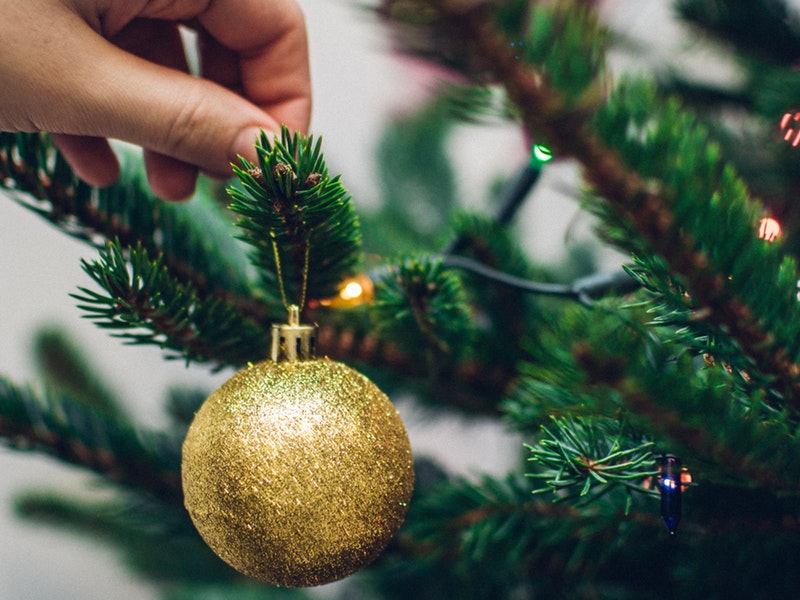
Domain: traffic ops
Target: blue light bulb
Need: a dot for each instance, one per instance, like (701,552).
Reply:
(669,484)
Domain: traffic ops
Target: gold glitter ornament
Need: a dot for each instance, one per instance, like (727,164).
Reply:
(297,471)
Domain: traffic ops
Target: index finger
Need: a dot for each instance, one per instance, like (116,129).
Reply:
(270,40)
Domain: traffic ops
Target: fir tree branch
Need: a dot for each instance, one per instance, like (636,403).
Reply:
(543,546)
(421,305)
(418,295)
(350,336)
(75,433)
(564,118)
(614,369)
(518,540)
(299,220)
(149,306)
(31,168)
(36,174)
(745,448)
(580,455)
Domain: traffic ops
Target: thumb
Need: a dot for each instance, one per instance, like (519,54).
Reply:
(170,113)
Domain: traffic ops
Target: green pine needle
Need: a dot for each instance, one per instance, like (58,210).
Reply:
(580,455)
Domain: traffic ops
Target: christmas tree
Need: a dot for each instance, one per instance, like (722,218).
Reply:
(652,405)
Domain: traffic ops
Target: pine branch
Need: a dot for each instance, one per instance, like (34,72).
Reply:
(744,446)
(585,458)
(31,167)
(614,368)
(149,306)
(425,310)
(557,549)
(419,296)
(520,543)
(738,284)
(75,433)
(40,179)
(655,208)
(350,336)
(299,219)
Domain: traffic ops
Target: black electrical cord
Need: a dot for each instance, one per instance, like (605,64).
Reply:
(584,289)
(510,199)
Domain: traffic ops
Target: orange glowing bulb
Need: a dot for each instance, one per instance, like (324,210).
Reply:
(686,479)
(791,134)
(351,291)
(769,229)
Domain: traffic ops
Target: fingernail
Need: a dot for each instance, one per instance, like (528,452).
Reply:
(245,142)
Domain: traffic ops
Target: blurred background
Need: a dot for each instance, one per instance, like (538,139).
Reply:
(360,85)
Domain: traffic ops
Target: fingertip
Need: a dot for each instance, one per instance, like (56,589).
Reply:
(91,158)
(169,178)
(244,144)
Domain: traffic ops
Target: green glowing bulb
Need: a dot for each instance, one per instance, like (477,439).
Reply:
(541,153)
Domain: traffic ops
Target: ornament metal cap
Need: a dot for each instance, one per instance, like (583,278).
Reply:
(293,341)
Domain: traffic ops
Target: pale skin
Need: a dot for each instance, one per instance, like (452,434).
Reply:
(92,70)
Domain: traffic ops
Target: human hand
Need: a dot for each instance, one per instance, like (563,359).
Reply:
(90,70)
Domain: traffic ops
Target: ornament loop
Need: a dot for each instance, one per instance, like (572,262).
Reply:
(293,341)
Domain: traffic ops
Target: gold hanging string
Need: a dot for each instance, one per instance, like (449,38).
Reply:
(279,272)
(304,285)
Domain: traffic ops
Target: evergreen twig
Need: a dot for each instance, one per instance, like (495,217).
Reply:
(41,180)
(299,220)
(80,435)
(583,454)
(149,306)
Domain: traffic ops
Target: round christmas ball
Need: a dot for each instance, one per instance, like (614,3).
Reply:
(297,473)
